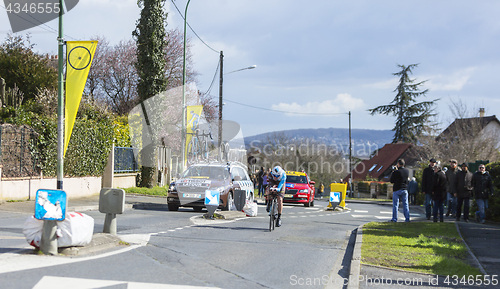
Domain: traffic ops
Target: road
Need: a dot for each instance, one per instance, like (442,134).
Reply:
(309,250)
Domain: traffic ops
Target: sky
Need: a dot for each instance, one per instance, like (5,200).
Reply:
(317,60)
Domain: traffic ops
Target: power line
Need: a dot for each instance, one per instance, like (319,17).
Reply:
(282,111)
(182,16)
(213,80)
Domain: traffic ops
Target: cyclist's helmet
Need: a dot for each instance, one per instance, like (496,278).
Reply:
(277,171)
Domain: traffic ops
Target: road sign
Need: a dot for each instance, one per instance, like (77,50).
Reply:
(50,205)
(212,198)
(334,197)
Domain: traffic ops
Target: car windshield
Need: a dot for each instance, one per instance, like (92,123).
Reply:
(296,179)
(207,171)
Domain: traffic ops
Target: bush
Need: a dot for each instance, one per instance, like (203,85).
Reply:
(90,143)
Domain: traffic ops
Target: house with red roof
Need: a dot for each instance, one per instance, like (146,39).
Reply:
(379,166)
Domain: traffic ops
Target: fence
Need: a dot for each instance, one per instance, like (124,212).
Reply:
(17,151)
(125,161)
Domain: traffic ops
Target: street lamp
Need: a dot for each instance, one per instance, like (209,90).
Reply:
(183,134)
(220,91)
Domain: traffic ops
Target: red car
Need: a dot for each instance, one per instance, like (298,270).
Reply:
(299,189)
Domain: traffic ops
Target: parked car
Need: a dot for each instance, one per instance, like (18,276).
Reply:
(299,189)
(189,189)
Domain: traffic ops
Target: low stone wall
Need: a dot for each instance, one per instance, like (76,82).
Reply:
(25,189)
(124,180)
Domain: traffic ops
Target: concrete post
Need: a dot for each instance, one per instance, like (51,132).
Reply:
(110,224)
(108,175)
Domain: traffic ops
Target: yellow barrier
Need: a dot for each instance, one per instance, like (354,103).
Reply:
(338,188)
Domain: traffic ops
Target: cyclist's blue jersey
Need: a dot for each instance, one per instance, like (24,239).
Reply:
(282,181)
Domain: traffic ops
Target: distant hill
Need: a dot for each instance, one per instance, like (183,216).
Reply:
(364,140)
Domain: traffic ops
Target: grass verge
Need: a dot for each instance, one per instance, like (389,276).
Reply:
(155,191)
(434,248)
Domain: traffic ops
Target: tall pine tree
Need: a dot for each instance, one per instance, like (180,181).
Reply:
(411,117)
(150,37)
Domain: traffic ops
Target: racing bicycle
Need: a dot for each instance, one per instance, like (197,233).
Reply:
(273,211)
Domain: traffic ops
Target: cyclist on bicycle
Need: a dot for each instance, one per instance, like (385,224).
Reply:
(276,183)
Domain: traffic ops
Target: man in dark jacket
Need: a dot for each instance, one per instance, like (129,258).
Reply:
(483,187)
(399,178)
(463,186)
(439,193)
(451,189)
(427,186)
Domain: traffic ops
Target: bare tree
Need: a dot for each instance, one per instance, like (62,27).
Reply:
(119,82)
(466,139)
(113,76)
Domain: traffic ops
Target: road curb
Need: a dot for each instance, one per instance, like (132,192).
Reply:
(355,267)
(100,241)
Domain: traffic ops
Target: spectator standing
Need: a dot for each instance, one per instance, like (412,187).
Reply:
(463,191)
(321,190)
(399,178)
(451,188)
(439,193)
(265,182)
(483,187)
(427,187)
(413,191)
(260,174)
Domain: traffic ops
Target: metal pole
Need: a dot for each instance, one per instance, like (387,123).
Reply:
(183,132)
(60,102)
(221,79)
(48,242)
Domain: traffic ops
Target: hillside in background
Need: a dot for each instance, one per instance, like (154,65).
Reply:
(364,140)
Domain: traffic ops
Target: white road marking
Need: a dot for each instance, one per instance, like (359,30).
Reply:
(80,283)
(360,211)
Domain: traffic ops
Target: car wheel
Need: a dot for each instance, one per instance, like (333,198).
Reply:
(230,203)
(172,207)
(312,203)
(308,204)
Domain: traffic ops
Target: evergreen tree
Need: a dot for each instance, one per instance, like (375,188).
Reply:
(150,38)
(411,117)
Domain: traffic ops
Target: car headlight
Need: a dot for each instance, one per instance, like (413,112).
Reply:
(304,191)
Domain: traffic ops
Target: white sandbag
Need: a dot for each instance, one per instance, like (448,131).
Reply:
(32,230)
(251,209)
(76,230)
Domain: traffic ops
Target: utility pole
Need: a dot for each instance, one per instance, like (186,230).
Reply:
(220,96)
(350,155)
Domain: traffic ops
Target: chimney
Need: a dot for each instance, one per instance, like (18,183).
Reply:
(481,112)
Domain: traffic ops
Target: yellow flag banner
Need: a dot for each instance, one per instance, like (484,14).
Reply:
(79,56)
(193,116)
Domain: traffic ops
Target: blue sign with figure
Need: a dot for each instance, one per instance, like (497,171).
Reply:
(212,198)
(50,205)
(334,197)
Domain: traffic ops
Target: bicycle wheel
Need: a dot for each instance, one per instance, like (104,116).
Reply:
(271,215)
